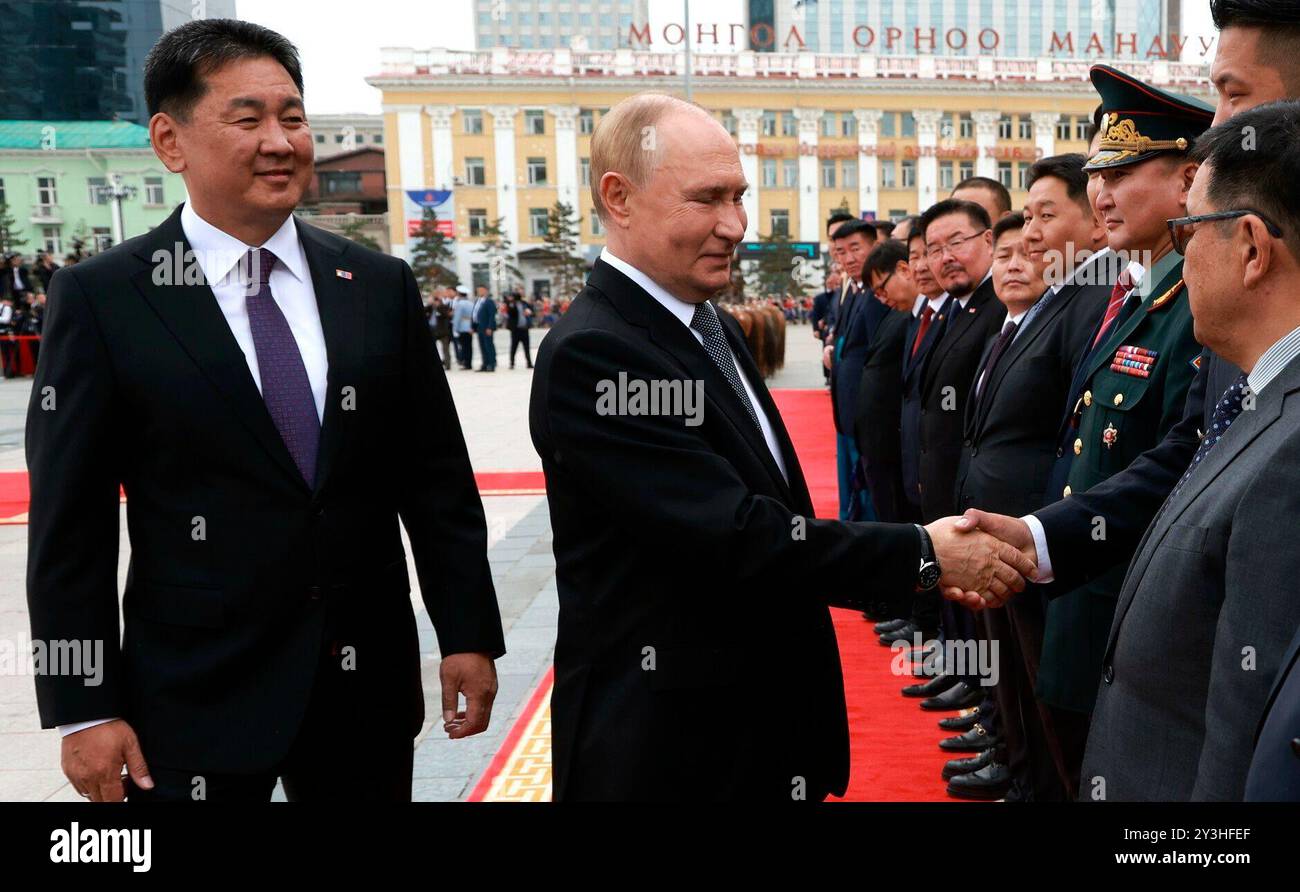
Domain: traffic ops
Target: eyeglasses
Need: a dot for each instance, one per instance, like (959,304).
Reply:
(1181,229)
(883,283)
(933,252)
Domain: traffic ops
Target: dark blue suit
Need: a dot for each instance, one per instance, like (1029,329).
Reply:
(913,368)
(485,323)
(859,316)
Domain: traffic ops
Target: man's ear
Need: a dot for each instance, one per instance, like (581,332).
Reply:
(1253,244)
(616,192)
(1189,174)
(164,135)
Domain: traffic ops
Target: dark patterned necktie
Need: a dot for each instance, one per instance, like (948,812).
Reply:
(706,322)
(286,388)
(1226,412)
(999,347)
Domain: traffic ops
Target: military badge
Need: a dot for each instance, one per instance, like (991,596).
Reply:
(1110,436)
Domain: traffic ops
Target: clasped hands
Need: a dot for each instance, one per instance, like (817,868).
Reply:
(985,558)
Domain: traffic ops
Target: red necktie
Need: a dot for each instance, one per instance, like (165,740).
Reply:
(926,315)
(1123,285)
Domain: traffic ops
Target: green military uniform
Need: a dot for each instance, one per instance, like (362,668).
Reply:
(1134,383)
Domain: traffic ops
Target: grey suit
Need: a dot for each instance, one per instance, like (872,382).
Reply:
(1204,618)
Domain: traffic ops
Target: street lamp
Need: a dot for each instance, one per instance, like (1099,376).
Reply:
(115,193)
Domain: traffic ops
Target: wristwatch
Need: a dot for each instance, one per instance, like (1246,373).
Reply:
(928,575)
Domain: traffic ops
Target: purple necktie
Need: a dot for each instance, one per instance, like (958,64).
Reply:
(285,386)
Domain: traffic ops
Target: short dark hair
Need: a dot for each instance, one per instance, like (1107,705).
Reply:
(1095,127)
(884,258)
(1279,39)
(1006,224)
(974,212)
(853,227)
(884,228)
(1001,197)
(175,68)
(1243,176)
(838,217)
(1067,168)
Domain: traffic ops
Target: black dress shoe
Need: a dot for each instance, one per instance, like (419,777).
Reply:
(930,688)
(990,782)
(954,767)
(889,625)
(963,721)
(908,633)
(976,740)
(959,696)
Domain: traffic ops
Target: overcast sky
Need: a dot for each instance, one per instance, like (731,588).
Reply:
(340,39)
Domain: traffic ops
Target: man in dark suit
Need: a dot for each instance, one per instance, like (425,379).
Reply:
(15,280)
(485,326)
(1274,774)
(266,393)
(666,508)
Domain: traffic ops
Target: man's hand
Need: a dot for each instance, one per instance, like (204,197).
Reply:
(1011,530)
(93,760)
(979,570)
(475,676)
(828,354)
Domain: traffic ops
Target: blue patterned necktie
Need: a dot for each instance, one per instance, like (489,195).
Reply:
(286,388)
(1226,412)
(706,322)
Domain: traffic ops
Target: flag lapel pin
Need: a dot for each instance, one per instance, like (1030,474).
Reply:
(343,274)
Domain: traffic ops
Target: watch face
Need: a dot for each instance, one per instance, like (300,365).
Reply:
(930,574)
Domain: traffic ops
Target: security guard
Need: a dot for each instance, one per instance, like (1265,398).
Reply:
(1131,383)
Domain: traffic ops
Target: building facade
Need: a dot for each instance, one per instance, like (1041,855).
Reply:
(549,24)
(83,60)
(50,172)
(507,133)
(336,134)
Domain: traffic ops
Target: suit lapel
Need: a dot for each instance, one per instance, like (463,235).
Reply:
(1024,340)
(192,315)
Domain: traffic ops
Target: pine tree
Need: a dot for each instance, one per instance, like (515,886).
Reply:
(10,241)
(432,258)
(772,273)
(353,230)
(499,251)
(568,271)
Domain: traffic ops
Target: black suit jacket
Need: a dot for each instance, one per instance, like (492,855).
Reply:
(913,378)
(241,575)
(947,379)
(878,419)
(1275,768)
(861,314)
(682,553)
(7,280)
(1010,437)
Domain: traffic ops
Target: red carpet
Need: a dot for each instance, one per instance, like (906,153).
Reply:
(894,748)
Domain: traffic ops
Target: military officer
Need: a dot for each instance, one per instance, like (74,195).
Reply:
(1131,383)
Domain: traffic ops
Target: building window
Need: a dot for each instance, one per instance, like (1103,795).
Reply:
(472,120)
(909,124)
(94,189)
(1026,127)
(965,170)
(780,220)
(887,124)
(887,175)
(535,122)
(477,221)
(378,139)
(1004,173)
(897,214)
(584,171)
(1063,128)
(1022,174)
(769,123)
(320,138)
(537,171)
(791,172)
(50,240)
(967,126)
(2,192)
(909,174)
(586,121)
(340,182)
(475,172)
(338,139)
(828,124)
(789,126)
(153,191)
(946,176)
(769,171)
(102,238)
(848,124)
(537,222)
(1004,127)
(47,194)
(729,123)
(597,228)
(1081,127)
(849,173)
(828,173)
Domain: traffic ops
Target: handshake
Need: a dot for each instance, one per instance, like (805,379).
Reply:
(985,558)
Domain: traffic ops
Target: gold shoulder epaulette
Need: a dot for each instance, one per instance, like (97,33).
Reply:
(1166,298)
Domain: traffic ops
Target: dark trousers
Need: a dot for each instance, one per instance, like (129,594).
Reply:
(1067,736)
(444,347)
(487,349)
(9,356)
(519,337)
(334,758)
(1018,629)
(465,349)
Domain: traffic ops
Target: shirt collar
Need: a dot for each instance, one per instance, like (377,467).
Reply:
(921,301)
(218,252)
(1149,279)
(937,303)
(1075,272)
(678,307)
(1274,360)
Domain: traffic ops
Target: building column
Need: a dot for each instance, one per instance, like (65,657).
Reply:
(443,163)
(1045,132)
(868,164)
(410,167)
(503,162)
(566,153)
(747,137)
(810,224)
(986,138)
(927,163)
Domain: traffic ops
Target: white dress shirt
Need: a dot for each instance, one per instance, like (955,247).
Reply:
(219,254)
(685,312)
